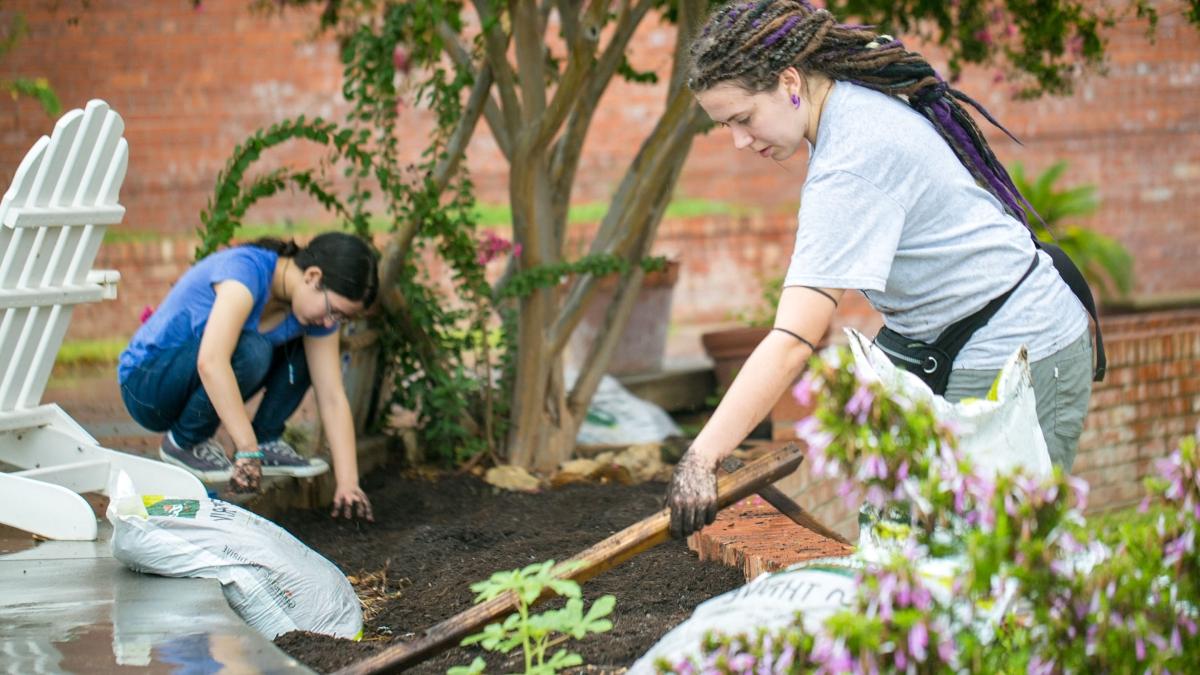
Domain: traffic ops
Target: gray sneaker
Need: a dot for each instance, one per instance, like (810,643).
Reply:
(281,459)
(205,460)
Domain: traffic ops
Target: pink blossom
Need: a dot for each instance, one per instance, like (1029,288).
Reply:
(743,662)
(803,391)
(873,466)
(786,657)
(1039,667)
(1080,489)
(946,650)
(849,493)
(918,640)
(491,246)
(876,496)
(1175,549)
(859,404)
(809,431)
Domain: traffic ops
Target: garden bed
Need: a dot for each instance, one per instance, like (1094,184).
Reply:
(434,538)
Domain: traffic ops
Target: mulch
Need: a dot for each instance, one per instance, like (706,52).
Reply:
(432,539)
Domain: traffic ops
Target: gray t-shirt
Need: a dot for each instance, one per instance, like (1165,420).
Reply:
(888,209)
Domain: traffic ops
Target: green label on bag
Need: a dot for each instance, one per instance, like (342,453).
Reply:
(174,508)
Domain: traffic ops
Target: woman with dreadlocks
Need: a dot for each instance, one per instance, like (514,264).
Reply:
(903,201)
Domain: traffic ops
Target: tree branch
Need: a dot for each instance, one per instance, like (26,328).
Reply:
(581,56)
(456,147)
(618,316)
(531,61)
(658,160)
(691,16)
(569,147)
(675,120)
(496,46)
(491,110)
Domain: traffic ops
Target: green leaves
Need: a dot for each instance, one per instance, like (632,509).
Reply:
(1105,263)
(1041,44)
(537,633)
(477,666)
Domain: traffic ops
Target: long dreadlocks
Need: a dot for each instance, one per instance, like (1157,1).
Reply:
(750,43)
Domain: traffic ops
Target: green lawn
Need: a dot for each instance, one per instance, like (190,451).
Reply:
(487,216)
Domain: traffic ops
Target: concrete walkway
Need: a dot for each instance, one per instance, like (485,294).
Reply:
(70,607)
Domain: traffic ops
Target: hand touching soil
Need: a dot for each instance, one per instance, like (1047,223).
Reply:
(692,496)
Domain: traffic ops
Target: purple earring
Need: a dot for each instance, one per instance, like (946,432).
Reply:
(795,101)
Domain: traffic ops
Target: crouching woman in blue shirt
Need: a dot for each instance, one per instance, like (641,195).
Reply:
(259,317)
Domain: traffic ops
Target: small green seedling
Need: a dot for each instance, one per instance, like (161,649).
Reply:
(538,633)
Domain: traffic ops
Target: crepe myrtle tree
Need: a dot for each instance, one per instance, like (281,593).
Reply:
(535,72)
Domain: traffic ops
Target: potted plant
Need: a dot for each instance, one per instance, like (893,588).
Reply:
(1105,263)
(730,348)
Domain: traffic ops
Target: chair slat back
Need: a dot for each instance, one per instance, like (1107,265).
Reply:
(53,217)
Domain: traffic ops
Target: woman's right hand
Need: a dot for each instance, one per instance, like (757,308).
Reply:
(692,496)
(349,502)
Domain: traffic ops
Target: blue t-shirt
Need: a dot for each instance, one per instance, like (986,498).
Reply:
(184,313)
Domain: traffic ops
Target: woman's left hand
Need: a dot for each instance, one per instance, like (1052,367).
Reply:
(352,502)
(247,475)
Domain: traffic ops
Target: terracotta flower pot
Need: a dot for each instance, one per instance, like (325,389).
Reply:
(730,348)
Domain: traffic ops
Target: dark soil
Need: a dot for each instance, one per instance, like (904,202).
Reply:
(436,538)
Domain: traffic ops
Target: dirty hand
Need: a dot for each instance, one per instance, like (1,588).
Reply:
(692,496)
(352,502)
(247,475)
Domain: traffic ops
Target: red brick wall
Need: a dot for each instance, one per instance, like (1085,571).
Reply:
(191,84)
(735,254)
(1149,400)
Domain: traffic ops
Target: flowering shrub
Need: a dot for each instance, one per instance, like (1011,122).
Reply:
(492,246)
(1031,587)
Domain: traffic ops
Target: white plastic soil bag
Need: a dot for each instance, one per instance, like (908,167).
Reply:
(617,417)
(769,602)
(810,592)
(999,436)
(272,580)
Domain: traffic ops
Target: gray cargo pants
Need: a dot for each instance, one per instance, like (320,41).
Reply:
(1062,386)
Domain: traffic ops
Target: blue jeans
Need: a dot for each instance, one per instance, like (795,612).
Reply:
(165,392)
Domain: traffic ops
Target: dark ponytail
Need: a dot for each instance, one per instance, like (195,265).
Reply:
(348,264)
(285,249)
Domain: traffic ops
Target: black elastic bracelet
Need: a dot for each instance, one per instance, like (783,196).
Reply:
(814,288)
(784,330)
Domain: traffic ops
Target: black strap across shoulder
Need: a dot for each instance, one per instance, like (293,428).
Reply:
(932,362)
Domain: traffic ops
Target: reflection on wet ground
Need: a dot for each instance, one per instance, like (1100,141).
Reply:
(70,607)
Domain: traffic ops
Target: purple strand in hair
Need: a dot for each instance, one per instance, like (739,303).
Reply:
(781,31)
(997,186)
(735,12)
(983,111)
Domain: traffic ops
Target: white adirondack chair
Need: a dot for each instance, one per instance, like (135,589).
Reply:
(52,219)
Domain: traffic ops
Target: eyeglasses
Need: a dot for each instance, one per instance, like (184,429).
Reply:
(331,313)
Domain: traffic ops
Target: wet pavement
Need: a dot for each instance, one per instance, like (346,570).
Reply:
(70,607)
